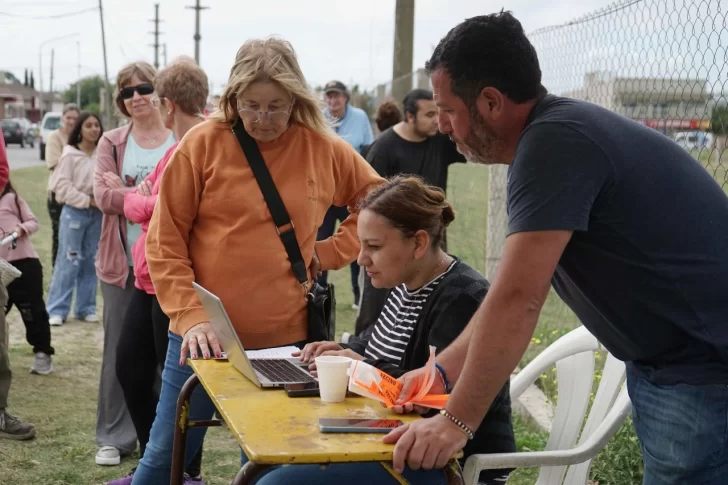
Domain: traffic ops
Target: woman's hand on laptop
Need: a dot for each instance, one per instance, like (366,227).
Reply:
(200,336)
(314,349)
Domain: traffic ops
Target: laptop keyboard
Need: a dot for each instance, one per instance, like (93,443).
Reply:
(281,370)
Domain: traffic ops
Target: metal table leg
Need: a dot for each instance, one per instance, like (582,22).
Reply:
(248,473)
(182,424)
(180,431)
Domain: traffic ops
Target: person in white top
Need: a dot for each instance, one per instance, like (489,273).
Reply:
(80,225)
(56,142)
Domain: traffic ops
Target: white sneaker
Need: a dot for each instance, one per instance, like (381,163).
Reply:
(108,456)
(55,320)
(43,364)
(91,318)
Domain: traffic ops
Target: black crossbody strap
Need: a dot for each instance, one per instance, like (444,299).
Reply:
(277,208)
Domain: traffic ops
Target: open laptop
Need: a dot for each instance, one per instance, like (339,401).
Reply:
(262,372)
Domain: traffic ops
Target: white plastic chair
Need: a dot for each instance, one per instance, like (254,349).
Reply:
(563,463)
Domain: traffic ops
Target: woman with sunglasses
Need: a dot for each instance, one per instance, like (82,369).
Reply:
(126,155)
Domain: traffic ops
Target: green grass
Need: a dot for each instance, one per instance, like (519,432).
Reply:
(63,405)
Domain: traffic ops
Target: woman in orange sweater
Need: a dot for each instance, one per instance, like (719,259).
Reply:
(211,225)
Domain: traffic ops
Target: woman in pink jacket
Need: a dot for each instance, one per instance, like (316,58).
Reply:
(181,96)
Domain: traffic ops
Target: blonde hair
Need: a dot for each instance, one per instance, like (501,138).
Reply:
(71,107)
(143,71)
(184,83)
(272,59)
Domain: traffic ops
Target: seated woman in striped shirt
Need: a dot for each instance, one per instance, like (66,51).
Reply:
(432,298)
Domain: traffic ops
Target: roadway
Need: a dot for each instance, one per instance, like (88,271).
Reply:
(23,157)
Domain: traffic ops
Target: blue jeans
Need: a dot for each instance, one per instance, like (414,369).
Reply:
(683,431)
(349,474)
(156,465)
(78,242)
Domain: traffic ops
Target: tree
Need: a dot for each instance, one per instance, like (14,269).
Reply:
(32,80)
(26,82)
(90,93)
(719,121)
(719,127)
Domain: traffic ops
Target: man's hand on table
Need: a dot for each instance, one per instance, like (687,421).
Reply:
(427,443)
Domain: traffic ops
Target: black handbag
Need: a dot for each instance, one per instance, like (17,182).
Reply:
(321,301)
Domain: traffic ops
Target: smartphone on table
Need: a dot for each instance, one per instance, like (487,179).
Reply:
(358,425)
(306,389)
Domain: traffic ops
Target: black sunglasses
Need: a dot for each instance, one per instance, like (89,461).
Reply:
(143,89)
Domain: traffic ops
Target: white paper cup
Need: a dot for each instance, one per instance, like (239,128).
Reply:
(332,377)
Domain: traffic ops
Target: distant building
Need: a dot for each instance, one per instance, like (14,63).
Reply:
(667,105)
(19,101)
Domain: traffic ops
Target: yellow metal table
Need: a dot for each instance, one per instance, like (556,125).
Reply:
(274,429)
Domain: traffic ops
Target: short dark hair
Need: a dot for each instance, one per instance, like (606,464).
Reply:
(74,138)
(489,50)
(410,101)
(388,115)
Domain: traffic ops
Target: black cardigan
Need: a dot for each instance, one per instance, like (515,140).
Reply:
(448,310)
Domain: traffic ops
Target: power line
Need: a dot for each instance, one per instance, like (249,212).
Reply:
(45,17)
(44,4)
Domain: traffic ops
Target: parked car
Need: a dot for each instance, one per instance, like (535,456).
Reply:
(693,140)
(51,121)
(28,130)
(13,132)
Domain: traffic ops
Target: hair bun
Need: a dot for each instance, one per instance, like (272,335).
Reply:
(448,214)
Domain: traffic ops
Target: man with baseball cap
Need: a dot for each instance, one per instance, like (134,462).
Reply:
(353,125)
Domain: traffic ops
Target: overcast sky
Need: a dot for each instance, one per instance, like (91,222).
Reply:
(335,39)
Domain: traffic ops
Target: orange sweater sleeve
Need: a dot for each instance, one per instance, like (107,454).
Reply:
(168,240)
(355,178)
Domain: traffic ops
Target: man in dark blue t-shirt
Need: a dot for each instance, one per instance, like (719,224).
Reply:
(631,231)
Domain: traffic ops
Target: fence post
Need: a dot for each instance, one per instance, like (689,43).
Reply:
(497,223)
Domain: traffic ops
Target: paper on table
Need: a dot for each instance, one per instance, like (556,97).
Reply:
(273,353)
(368,381)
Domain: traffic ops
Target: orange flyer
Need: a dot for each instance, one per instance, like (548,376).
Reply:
(368,381)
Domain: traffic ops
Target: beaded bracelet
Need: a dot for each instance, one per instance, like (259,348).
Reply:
(444,378)
(460,424)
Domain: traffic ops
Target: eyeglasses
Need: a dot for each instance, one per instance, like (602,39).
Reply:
(255,116)
(143,89)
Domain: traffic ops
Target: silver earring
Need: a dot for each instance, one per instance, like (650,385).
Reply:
(169,113)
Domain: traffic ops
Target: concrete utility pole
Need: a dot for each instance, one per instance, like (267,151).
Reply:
(156,35)
(197,37)
(404,32)
(105,92)
(78,75)
(53,54)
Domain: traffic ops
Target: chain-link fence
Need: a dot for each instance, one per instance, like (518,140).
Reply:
(662,63)
(397,89)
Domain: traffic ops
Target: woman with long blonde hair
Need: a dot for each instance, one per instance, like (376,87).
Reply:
(212,226)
